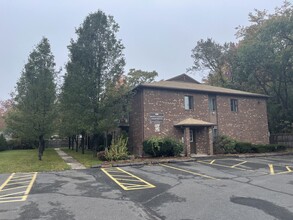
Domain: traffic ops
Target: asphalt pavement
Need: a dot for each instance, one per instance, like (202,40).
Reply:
(227,188)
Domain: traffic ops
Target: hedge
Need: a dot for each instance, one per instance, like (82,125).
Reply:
(224,144)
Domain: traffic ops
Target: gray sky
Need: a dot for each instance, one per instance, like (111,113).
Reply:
(157,34)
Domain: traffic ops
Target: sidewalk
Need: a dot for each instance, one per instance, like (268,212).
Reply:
(74,164)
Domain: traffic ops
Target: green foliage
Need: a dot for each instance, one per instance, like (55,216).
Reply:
(33,113)
(92,99)
(136,77)
(166,146)
(260,62)
(267,148)
(243,147)
(152,146)
(3,142)
(224,144)
(118,149)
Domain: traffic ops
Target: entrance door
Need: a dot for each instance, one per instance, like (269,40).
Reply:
(192,142)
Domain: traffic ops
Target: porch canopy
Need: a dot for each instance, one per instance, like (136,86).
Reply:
(193,122)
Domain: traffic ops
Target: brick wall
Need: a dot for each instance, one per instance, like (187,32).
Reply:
(249,124)
(136,124)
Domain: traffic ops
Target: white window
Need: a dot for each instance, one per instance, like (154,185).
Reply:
(188,102)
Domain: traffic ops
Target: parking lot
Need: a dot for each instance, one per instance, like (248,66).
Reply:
(228,188)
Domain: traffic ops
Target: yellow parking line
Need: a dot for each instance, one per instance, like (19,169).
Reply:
(212,161)
(288,168)
(272,171)
(187,171)
(15,183)
(13,188)
(10,197)
(30,186)
(126,185)
(10,194)
(239,164)
(221,165)
(5,183)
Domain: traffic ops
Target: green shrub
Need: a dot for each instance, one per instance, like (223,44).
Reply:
(3,142)
(264,148)
(243,147)
(224,145)
(152,146)
(167,146)
(118,149)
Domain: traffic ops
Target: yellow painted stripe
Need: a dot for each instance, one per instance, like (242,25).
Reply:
(10,194)
(221,165)
(136,177)
(14,200)
(13,188)
(30,186)
(15,183)
(272,171)
(288,168)
(130,180)
(239,164)
(212,161)
(187,171)
(5,183)
(123,185)
(12,180)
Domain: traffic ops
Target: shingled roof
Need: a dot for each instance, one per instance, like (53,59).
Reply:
(193,122)
(187,86)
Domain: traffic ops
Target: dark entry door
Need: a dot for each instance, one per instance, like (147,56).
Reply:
(192,141)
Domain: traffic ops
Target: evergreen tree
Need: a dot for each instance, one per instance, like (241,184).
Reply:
(33,112)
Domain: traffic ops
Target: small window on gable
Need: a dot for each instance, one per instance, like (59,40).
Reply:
(234,105)
(188,102)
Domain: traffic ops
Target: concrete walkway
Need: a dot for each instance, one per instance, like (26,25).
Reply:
(74,164)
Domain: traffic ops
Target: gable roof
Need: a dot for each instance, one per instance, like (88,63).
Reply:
(193,122)
(183,78)
(186,86)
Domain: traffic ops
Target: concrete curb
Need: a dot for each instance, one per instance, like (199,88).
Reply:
(193,159)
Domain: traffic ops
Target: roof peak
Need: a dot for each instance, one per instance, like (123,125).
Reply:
(183,78)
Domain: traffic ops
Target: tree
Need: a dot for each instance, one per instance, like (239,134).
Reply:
(95,66)
(260,62)
(265,62)
(34,104)
(136,77)
(216,58)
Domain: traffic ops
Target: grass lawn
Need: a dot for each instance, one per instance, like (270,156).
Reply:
(27,161)
(86,159)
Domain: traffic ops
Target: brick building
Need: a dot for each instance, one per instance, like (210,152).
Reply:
(194,113)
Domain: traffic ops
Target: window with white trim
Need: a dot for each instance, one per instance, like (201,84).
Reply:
(188,102)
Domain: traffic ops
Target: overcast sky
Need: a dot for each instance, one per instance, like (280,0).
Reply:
(157,34)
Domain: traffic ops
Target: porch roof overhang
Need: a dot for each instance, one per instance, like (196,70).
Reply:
(194,122)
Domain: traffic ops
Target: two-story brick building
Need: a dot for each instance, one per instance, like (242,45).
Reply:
(194,113)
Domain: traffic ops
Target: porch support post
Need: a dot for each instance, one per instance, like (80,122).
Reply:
(210,141)
(187,141)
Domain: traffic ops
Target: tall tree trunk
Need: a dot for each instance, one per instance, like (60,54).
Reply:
(69,142)
(76,143)
(95,144)
(72,142)
(41,146)
(82,142)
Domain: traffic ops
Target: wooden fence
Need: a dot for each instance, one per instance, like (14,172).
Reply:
(283,139)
